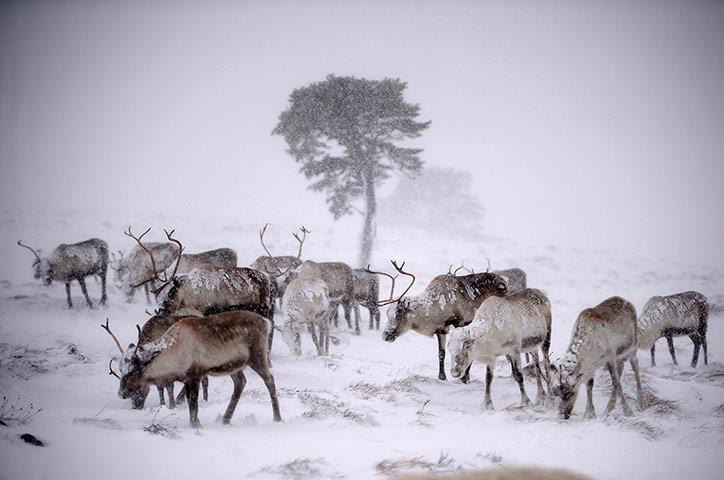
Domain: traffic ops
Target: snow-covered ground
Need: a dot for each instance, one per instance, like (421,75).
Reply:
(370,409)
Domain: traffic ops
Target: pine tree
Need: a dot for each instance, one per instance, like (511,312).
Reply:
(344,132)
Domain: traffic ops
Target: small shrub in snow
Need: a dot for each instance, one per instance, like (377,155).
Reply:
(444,464)
(13,413)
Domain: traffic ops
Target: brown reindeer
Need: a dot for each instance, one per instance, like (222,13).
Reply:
(73,262)
(222,344)
(152,330)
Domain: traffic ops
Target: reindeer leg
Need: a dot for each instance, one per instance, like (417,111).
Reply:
(441,355)
(488,402)
(104,297)
(697,345)
(590,410)
(263,371)
(703,344)
(205,387)
(192,397)
(161,399)
(355,308)
(670,341)
(541,397)
(617,389)
(239,382)
(315,339)
(171,401)
(85,292)
(639,390)
(653,354)
(67,294)
(515,366)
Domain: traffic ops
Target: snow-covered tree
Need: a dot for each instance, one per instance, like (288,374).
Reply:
(345,132)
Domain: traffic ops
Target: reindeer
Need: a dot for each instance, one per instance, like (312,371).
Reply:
(672,316)
(277,267)
(152,330)
(339,278)
(511,325)
(142,265)
(74,262)
(221,344)
(603,335)
(447,301)
(367,293)
(306,302)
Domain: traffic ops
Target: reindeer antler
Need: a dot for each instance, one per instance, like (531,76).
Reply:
(156,276)
(108,329)
(29,248)
(168,280)
(400,270)
(261,237)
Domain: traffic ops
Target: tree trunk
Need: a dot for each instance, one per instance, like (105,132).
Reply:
(370,228)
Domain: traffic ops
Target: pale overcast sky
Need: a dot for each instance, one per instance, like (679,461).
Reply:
(590,124)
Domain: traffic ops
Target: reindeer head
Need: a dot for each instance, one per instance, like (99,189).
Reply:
(563,385)
(42,266)
(459,347)
(397,322)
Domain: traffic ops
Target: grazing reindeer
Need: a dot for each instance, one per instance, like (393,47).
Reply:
(306,302)
(367,293)
(447,301)
(218,345)
(278,267)
(508,326)
(74,262)
(151,331)
(603,335)
(339,278)
(672,316)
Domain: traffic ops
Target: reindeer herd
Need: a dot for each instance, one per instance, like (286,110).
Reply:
(214,318)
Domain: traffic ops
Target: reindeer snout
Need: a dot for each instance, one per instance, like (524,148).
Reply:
(388,336)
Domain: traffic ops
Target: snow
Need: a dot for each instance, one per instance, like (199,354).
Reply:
(371,409)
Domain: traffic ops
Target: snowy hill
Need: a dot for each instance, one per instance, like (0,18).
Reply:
(370,409)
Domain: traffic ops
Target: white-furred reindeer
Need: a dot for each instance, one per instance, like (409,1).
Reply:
(306,306)
(339,278)
(518,323)
(605,335)
(447,301)
(73,262)
(222,344)
(684,313)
